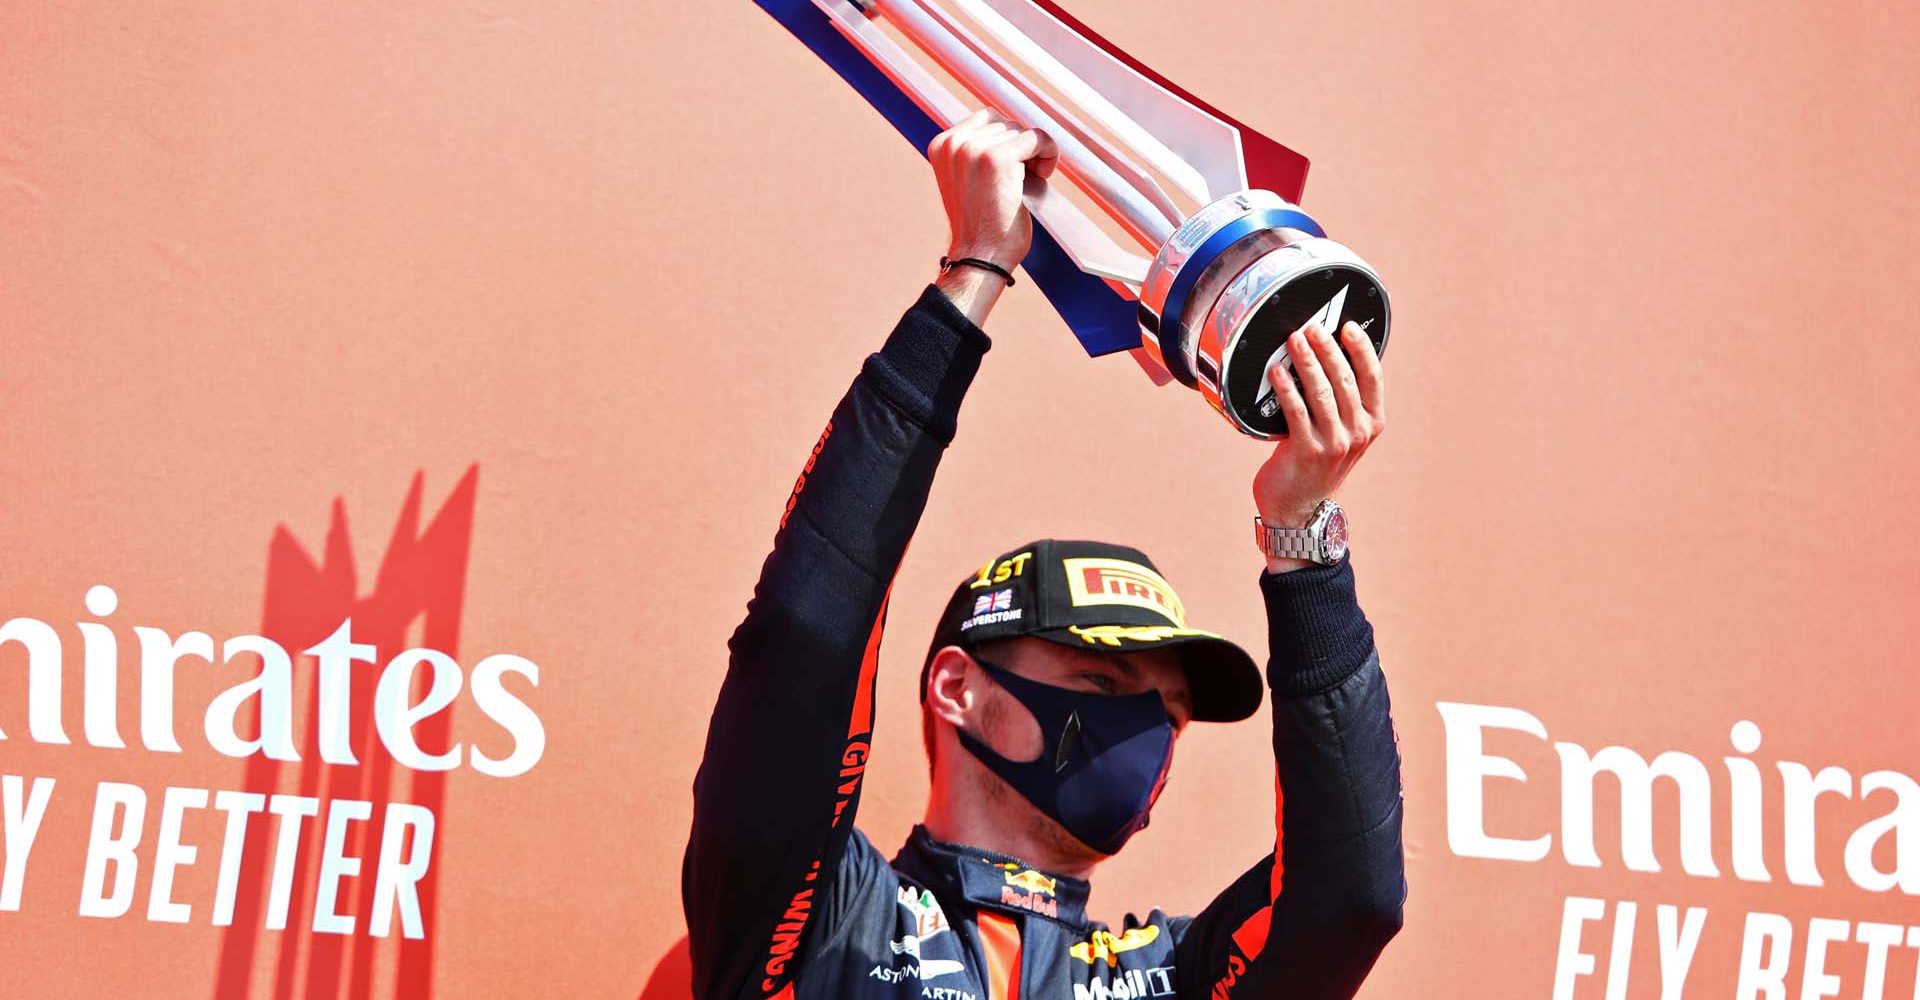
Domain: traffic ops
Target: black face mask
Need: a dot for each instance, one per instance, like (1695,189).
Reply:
(1102,760)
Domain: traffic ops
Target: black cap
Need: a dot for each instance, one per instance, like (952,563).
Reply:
(1101,598)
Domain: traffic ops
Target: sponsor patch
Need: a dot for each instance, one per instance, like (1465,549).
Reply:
(1104,946)
(928,918)
(1028,879)
(1134,984)
(929,922)
(1030,901)
(918,970)
(1092,581)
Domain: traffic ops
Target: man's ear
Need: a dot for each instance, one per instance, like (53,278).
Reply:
(951,687)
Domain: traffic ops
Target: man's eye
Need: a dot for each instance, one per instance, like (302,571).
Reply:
(1101,681)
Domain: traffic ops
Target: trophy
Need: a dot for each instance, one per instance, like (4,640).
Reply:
(1176,237)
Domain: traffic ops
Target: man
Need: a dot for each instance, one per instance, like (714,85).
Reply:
(1059,679)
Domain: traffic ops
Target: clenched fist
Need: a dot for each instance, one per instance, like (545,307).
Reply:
(982,165)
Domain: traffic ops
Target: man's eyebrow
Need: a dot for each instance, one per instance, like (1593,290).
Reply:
(1181,698)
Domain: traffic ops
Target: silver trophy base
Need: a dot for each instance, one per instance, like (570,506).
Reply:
(1261,277)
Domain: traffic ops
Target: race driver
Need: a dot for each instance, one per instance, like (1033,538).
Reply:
(1059,679)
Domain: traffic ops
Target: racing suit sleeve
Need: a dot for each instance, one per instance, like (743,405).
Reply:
(1308,921)
(774,799)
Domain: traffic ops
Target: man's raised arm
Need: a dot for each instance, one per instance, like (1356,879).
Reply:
(1308,921)
(775,796)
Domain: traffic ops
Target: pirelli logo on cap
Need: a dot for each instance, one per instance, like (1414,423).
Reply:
(1116,581)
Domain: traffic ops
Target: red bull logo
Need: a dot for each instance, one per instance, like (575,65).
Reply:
(1030,880)
(1033,902)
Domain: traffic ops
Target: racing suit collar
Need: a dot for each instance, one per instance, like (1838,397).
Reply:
(993,881)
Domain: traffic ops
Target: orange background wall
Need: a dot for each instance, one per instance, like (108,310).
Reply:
(1651,469)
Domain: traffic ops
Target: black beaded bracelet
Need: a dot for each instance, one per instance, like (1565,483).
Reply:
(948,264)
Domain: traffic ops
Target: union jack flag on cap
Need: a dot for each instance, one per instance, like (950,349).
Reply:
(999,600)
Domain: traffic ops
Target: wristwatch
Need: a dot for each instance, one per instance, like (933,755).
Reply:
(1323,540)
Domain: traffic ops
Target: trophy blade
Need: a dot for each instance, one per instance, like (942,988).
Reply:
(1063,117)
(1192,128)
(1091,280)
(1057,71)
(1085,242)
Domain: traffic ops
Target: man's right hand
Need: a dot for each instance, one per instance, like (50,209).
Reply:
(1333,416)
(981,165)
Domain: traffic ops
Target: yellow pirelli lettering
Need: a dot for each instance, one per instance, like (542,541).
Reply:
(1093,581)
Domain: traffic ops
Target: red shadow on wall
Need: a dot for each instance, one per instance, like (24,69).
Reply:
(422,578)
(672,977)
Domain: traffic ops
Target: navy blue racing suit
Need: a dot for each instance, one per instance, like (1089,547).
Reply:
(785,898)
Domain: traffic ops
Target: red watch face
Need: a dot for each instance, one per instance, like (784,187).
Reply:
(1335,535)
